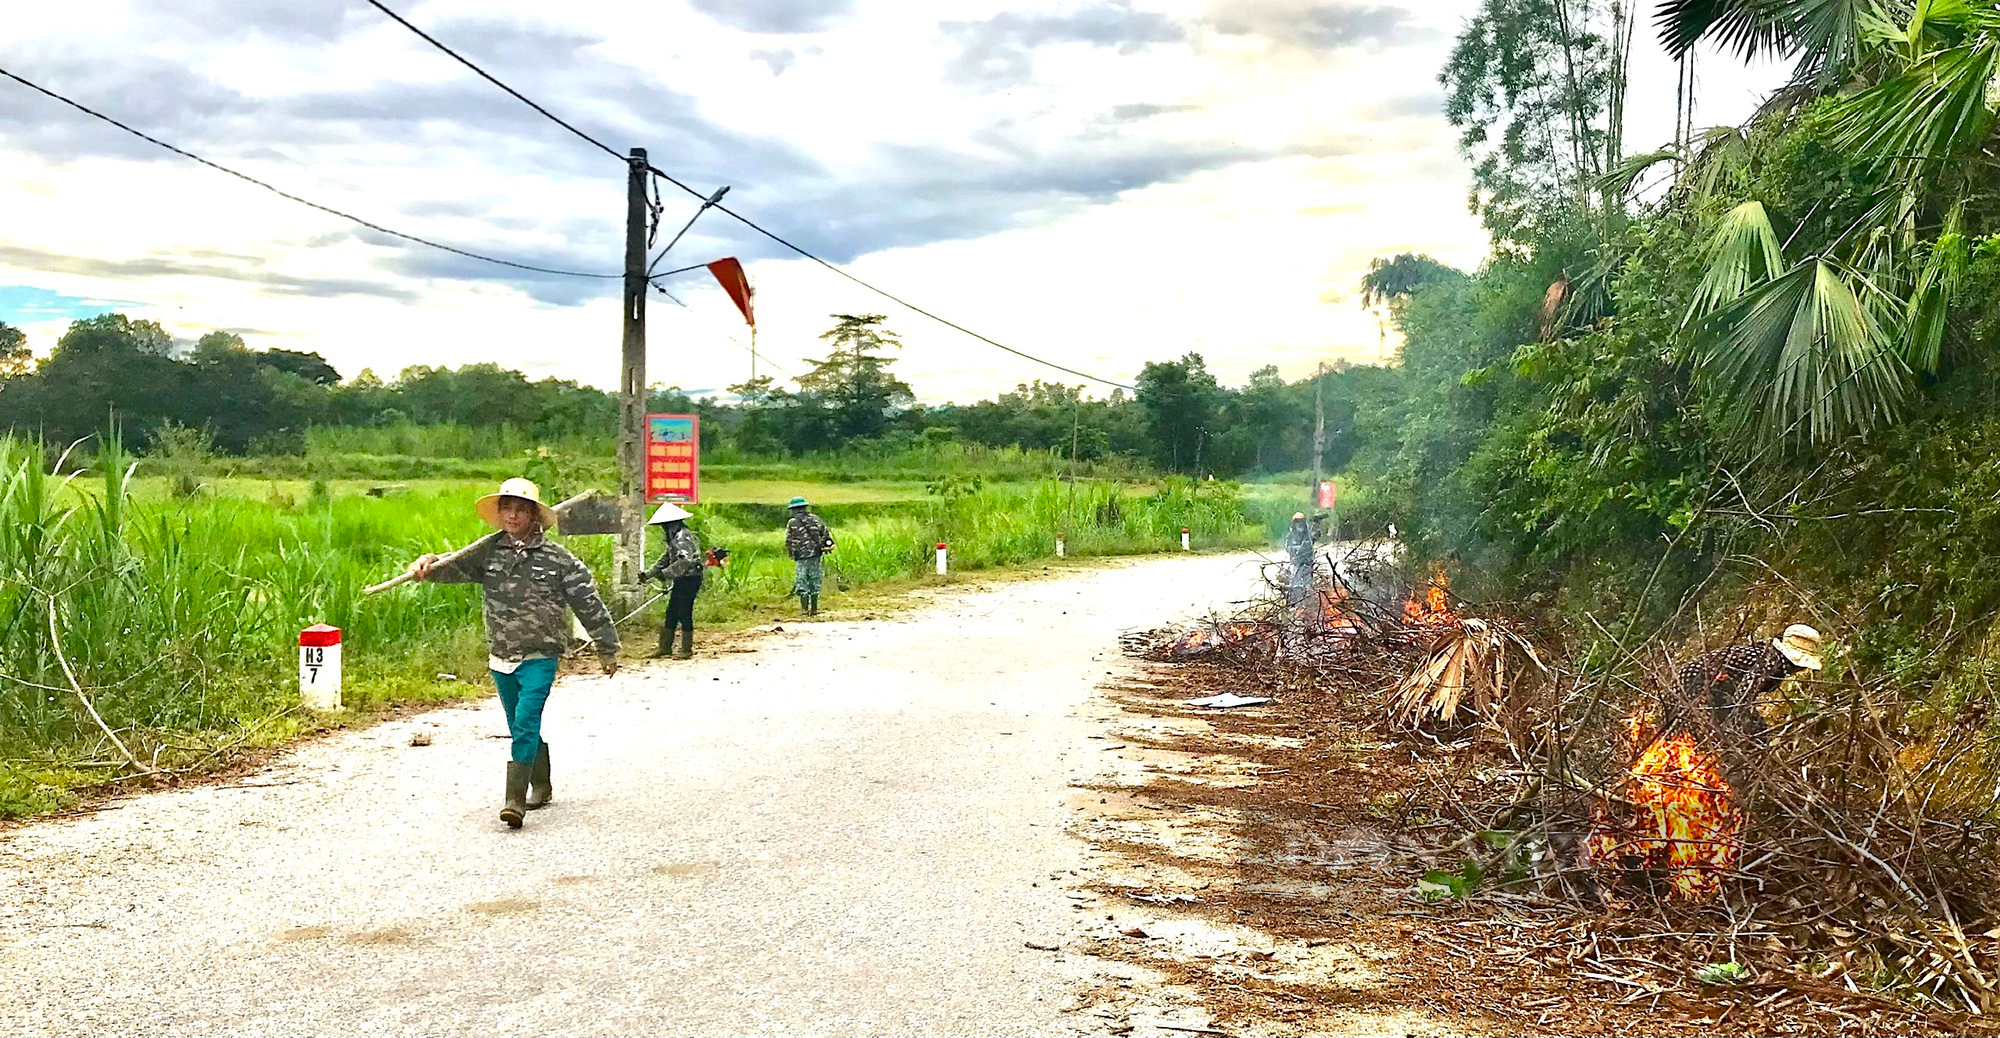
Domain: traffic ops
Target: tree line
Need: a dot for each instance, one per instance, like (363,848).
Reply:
(112,369)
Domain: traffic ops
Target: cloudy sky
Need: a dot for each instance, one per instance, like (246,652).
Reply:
(1099,183)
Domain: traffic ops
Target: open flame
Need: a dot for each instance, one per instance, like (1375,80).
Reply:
(1336,611)
(1433,606)
(1213,636)
(1687,821)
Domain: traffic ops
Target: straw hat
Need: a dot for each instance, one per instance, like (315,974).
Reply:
(1296,516)
(526,490)
(797,502)
(667,513)
(1800,644)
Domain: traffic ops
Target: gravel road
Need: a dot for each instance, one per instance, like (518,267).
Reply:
(856,828)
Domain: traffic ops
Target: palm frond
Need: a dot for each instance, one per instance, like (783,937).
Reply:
(1738,25)
(1620,179)
(1721,152)
(1825,34)
(1742,252)
(1934,112)
(1929,309)
(1803,357)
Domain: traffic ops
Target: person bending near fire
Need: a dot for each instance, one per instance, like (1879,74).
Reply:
(1732,683)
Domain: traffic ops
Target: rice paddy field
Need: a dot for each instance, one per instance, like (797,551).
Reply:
(147,624)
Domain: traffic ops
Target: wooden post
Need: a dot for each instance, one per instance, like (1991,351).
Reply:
(632,388)
(1319,437)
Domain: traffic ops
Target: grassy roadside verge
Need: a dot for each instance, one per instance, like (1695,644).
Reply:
(142,632)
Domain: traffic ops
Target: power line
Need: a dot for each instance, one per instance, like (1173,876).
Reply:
(483,74)
(884,293)
(740,218)
(184,153)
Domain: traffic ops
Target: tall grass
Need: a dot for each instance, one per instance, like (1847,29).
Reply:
(915,460)
(999,525)
(180,618)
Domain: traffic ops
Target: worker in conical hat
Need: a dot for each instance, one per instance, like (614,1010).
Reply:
(680,568)
(528,582)
(807,540)
(1732,683)
(1299,549)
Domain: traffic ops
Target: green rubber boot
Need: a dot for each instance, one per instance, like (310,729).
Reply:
(805,603)
(687,644)
(812,605)
(516,810)
(539,792)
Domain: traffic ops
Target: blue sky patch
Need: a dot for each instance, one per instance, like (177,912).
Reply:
(20,304)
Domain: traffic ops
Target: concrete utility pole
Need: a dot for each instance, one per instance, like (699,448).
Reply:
(1319,437)
(632,388)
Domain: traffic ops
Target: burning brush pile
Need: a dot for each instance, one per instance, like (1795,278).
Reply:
(1831,837)
(1362,627)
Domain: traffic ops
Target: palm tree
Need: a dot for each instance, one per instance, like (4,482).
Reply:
(1825,345)
(1388,280)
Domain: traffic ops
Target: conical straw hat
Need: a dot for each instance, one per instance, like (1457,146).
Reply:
(667,513)
(526,490)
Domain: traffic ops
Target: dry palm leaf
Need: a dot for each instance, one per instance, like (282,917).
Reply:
(1465,677)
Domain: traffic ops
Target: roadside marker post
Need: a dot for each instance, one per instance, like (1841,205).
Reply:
(1184,540)
(319,667)
(1061,546)
(941,558)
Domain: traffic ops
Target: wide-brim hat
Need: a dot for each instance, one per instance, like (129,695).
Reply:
(797,502)
(1800,644)
(526,490)
(668,513)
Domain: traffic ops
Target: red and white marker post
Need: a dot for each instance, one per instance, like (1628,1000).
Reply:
(319,667)
(1184,540)
(942,551)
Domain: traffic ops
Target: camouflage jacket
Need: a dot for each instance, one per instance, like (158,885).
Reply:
(527,589)
(681,559)
(1299,541)
(1730,683)
(806,536)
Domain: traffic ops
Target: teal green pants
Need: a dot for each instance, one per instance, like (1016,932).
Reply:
(522,695)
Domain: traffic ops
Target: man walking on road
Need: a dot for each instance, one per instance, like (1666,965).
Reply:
(528,581)
(807,540)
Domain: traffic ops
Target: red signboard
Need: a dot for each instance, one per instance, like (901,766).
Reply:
(1326,497)
(673,458)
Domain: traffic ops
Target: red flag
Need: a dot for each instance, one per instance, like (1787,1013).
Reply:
(729,273)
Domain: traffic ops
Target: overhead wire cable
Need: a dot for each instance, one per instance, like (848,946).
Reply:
(706,204)
(483,74)
(371,225)
(739,217)
(886,294)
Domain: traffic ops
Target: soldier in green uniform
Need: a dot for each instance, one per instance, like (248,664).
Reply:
(807,540)
(680,568)
(528,581)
